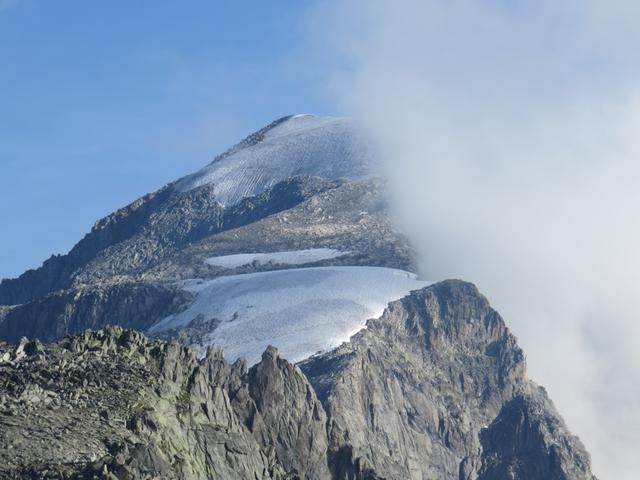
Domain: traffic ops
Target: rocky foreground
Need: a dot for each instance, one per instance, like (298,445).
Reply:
(434,389)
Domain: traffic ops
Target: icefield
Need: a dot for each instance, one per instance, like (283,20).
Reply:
(300,311)
(303,145)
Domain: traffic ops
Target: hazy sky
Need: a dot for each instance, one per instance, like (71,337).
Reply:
(101,102)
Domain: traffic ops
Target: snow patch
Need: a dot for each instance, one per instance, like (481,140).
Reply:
(302,145)
(292,257)
(300,311)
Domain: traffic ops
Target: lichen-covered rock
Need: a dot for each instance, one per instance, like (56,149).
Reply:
(112,404)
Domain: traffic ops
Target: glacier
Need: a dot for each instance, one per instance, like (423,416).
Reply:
(300,145)
(300,311)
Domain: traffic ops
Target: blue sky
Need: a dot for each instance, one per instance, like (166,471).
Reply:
(101,102)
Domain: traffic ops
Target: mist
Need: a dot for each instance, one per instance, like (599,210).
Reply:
(510,134)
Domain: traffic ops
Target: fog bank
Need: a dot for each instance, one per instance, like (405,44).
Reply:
(510,132)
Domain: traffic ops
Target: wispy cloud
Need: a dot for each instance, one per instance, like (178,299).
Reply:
(511,134)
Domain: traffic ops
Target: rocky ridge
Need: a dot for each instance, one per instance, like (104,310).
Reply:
(435,388)
(131,281)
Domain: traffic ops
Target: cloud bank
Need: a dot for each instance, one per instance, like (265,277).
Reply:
(510,132)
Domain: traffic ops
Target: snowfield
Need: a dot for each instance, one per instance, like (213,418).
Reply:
(299,311)
(302,145)
(293,257)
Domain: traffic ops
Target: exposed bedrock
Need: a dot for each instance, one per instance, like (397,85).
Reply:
(434,389)
(144,233)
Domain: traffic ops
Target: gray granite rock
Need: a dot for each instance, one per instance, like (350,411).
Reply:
(410,396)
(434,389)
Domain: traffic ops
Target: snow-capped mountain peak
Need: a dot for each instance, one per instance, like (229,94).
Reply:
(298,145)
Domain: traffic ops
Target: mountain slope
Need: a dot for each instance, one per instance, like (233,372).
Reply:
(300,183)
(296,146)
(285,240)
(435,388)
(412,396)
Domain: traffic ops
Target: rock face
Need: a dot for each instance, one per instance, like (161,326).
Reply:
(129,304)
(523,442)
(113,405)
(292,419)
(436,388)
(410,396)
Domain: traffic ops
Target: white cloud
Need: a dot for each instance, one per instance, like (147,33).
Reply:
(511,133)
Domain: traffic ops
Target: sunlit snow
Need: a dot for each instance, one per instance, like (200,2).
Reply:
(325,147)
(300,311)
(292,257)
